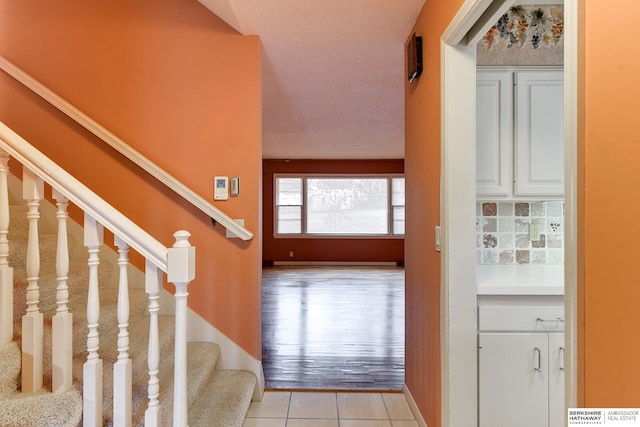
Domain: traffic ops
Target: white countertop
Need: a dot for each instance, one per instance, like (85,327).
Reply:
(519,279)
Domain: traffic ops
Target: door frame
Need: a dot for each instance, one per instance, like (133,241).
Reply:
(458,309)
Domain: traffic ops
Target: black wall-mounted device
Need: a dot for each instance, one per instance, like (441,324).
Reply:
(414,57)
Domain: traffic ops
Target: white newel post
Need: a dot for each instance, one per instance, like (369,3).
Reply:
(92,369)
(32,321)
(122,368)
(6,272)
(153,286)
(181,271)
(62,345)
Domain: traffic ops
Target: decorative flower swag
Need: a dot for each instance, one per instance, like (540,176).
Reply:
(523,26)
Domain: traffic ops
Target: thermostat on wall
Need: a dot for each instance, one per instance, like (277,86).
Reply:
(220,188)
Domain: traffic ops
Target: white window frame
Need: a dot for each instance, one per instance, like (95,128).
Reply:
(305,235)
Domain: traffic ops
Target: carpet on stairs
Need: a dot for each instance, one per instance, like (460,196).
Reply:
(215,397)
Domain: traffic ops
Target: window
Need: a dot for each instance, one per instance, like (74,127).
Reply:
(289,205)
(339,205)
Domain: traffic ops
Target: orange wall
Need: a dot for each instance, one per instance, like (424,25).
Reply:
(422,172)
(326,249)
(177,84)
(610,225)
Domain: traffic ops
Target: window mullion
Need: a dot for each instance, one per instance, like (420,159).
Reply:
(389,206)
(303,207)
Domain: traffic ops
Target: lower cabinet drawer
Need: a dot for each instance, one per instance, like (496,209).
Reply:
(521,318)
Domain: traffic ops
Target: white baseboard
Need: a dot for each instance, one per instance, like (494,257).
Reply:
(414,407)
(233,356)
(337,263)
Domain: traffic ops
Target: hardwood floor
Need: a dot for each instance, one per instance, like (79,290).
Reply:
(333,328)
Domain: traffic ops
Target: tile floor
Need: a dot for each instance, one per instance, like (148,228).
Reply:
(328,409)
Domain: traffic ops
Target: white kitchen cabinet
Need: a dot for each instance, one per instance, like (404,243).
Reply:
(557,412)
(494,132)
(519,134)
(521,366)
(539,125)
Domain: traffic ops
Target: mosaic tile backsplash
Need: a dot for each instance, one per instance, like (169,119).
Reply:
(503,232)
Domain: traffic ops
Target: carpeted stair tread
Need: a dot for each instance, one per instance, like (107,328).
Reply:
(202,361)
(225,400)
(41,409)
(10,362)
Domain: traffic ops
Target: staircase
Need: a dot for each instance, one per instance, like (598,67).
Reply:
(214,396)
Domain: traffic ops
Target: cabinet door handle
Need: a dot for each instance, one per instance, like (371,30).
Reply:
(562,358)
(538,360)
(557,319)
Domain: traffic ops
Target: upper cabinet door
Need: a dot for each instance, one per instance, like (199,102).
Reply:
(494,115)
(539,134)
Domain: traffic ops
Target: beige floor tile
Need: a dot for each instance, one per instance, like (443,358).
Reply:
(274,404)
(361,406)
(397,406)
(311,423)
(404,423)
(313,405)
(265,422)
(365,423)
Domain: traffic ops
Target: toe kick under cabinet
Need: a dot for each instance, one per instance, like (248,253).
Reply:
(521,365)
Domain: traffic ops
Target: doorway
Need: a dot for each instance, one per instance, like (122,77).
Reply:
(459,373)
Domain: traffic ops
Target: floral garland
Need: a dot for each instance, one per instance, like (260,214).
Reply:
(522,25)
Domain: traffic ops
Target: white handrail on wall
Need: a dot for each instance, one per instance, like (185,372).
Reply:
(126,150)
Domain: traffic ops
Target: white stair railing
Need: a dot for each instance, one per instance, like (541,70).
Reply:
(6,272)
(153,286)
(181,271)
(178,262)
(92,369)
(33,321)
(122,369)
(62,322)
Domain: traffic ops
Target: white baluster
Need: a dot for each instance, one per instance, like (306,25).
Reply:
(122,368)
(63,320)
(32,321)
(153,286)
(6,272)
(181,271)
(92,370)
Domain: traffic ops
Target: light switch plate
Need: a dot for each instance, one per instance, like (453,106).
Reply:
(235,186)
(438,236)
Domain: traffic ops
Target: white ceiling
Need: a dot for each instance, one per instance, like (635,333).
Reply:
(333,74)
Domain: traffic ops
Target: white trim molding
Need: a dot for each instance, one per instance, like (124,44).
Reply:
(458,303)
(414,407)
(458,287)
(571,72)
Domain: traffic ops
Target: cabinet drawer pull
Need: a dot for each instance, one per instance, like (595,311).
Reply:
(562,358)
(557,319)
(538,360)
